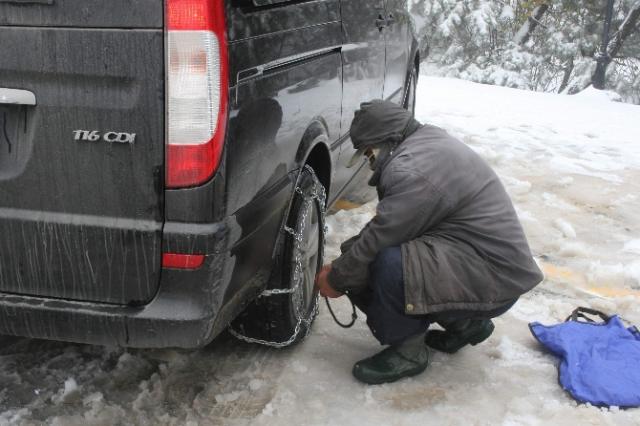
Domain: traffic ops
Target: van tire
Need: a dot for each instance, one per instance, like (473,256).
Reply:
(274,319)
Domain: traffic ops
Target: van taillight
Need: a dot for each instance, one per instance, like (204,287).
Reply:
(197,88)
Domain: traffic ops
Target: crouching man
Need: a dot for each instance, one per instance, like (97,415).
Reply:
(445,245)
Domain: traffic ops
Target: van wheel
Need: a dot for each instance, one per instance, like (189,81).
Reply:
(409,102)
(283,315)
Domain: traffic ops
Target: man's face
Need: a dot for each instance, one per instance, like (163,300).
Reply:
(372,154)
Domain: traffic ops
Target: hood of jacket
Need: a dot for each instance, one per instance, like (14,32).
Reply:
(379,121)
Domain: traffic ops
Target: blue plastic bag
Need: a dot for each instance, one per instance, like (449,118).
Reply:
(600,361)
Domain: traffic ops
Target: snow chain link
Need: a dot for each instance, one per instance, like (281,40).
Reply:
(318,196)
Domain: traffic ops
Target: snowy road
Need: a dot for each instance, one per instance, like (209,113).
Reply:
(572,167)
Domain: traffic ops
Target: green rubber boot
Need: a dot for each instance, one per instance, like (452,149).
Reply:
(459,334)
(406,359)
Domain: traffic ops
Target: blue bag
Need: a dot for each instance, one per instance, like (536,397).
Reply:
(600,361)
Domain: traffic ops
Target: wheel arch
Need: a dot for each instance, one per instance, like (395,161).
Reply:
(314,150)
(414,61)
(319,160)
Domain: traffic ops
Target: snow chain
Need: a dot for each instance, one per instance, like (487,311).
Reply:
(319,196)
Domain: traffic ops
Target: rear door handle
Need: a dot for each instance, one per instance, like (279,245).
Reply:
(16,97)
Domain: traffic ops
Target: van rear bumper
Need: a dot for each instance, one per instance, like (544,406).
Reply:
(97,324)
(188,310)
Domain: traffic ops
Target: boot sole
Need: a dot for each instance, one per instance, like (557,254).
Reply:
(381,381)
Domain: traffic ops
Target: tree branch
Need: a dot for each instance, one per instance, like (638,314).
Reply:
(625,30)
(524,33)
(615,44)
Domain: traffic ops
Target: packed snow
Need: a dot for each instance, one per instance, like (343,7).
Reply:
(572,167)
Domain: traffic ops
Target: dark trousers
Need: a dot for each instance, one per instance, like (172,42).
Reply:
(383,302)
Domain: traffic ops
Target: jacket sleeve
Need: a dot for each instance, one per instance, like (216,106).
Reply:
(346,245)
(411,206)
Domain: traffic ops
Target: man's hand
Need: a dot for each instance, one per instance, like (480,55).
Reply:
(322,283)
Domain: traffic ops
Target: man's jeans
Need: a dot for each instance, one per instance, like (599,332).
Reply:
(383,302)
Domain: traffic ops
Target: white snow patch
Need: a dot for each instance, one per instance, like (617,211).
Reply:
(516,187)
(554,201)
(595,95)
(632,246)
(614,275)
(93,398)
(573,249)
(70,392)
(228,397)
(255,384)
(566,180)
(524,215)
(564,227)
(507,12)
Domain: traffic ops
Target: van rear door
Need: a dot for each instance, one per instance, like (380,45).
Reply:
(81,148)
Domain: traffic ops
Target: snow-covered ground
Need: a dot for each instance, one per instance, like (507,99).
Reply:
(572,167)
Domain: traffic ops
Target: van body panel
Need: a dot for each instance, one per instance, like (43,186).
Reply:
(398,39)
(363,58)
(81,210)
(247,21)
(285,83)
(82,13)
(273,109)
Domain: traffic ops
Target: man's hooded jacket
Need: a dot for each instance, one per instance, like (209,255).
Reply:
(463,247)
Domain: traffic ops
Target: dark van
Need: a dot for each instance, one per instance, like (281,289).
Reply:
(165,165)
